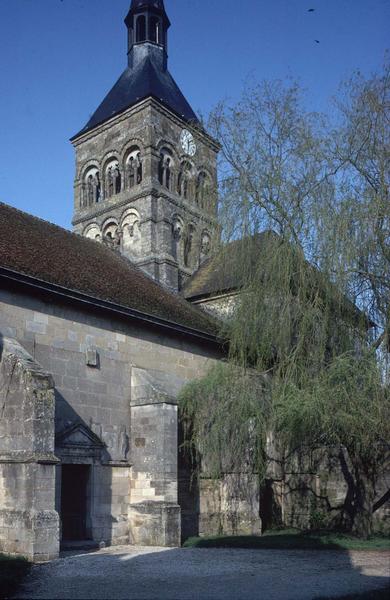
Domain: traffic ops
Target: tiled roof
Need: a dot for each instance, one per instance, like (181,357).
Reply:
(221,273)
(36,248)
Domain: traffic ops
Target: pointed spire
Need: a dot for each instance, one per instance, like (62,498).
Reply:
(159,4)
(156,6)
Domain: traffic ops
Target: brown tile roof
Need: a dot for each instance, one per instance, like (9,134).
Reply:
(221,273)
(44,251)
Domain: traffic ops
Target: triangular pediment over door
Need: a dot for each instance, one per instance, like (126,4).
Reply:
(79,436)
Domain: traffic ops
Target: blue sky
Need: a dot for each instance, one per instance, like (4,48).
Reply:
(58,58)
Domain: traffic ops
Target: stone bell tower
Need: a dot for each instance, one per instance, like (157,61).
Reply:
(146,174)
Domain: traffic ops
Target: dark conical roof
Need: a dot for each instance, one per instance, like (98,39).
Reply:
(159,4)
(147,76)
(138,5)
(137,84)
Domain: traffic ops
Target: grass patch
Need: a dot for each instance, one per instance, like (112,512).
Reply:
(12,573)
(291,540)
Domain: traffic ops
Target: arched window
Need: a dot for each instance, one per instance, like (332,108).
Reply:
(110,229)
(93,233)
(177,239)
(113,179)
(189,246)
(131,177)
(202,189)
(205,246)
(131,232)
(165,169)
(183,182)
(138,165)
(130,37)
(141,29)
(111,234)
(155,30)
(91,188)
(133,168)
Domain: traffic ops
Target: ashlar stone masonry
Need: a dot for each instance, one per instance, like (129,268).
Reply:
(103,435)
(29,524)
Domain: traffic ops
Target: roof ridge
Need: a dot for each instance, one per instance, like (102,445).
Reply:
(46,222)
(58,256)
(31,216)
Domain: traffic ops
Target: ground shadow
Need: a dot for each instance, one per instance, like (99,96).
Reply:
(190,574)
(188,490)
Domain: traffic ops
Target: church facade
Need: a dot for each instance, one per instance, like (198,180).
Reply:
(101,328)
(96,341)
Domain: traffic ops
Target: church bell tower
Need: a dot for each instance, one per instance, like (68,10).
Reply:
(146,171)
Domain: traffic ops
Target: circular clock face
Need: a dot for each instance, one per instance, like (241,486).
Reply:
(187,142)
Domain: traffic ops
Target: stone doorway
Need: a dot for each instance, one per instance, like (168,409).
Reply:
(75,480)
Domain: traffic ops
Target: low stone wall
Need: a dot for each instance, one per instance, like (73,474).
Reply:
(304,490)
(229,506)
(29,525)
(307,489)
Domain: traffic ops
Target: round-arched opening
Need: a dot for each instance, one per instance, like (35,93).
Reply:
(183,182)
(189,254)
(155,30)
(165,168)
(91,187)
(141,29)
(113,179)
(131,232)
(133,167)
(202,189)
(205,245)
(110,231)
(177,238)
(93,233)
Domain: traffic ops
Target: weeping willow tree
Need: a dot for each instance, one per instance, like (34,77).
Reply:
(305,209)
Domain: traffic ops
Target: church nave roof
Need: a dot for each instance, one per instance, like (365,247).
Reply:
(48,253)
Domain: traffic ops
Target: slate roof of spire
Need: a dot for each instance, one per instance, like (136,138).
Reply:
(148,3)
(134,85)
(51,254)
(142,5)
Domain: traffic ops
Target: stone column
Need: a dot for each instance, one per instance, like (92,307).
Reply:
(29,524)
(154,511)
(150,165)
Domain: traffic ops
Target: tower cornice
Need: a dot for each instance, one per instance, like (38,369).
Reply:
(141,105)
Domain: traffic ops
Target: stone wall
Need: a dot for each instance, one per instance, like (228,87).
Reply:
(230,506)
(124,432)
(115,389)
(307,489)
(28,521)
(154,425)
(222,306)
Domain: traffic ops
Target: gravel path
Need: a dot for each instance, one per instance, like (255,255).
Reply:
(136,573)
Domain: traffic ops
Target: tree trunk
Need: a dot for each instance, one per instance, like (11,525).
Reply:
(364,479)
(347,517)
(359,501)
